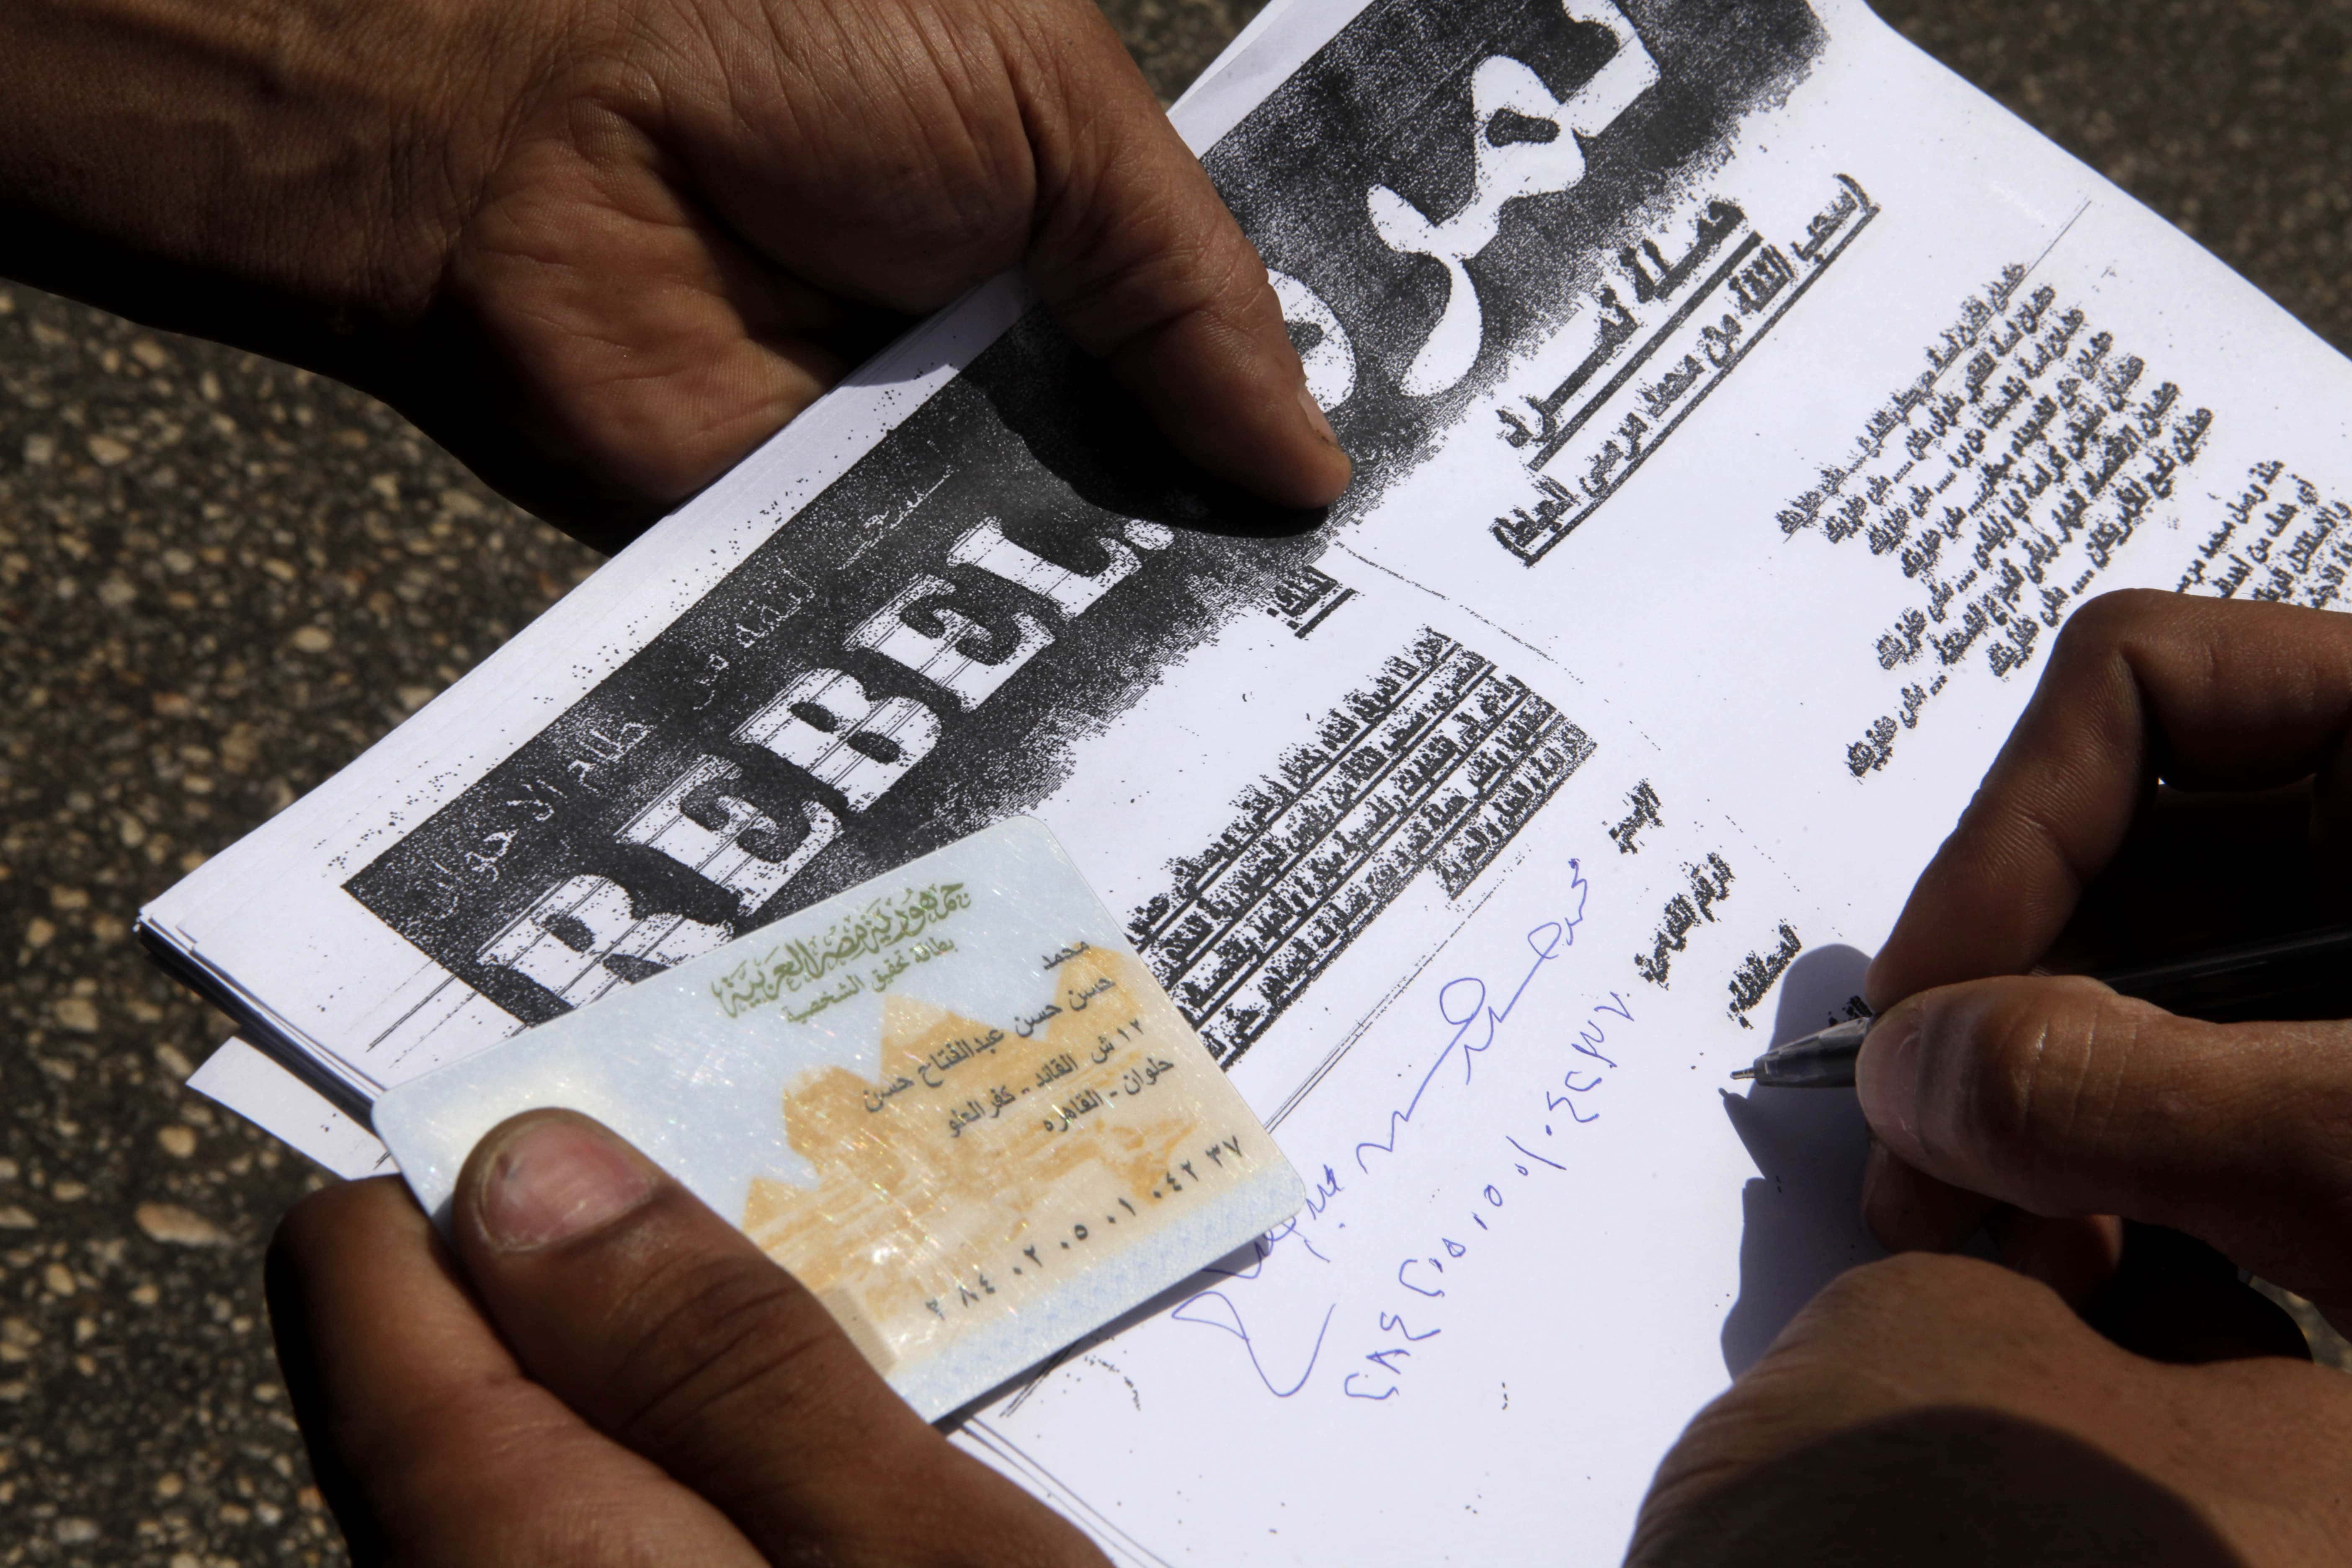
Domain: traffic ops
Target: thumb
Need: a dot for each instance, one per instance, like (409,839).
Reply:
(669,1330)
(1144,266)
(2062,1098)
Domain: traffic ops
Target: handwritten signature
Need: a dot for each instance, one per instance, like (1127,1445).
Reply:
(1466,1006)
(1462,1004)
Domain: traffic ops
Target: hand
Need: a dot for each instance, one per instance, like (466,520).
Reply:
(1944,1413)
(2043,1103)
(602,249)
(629,1381)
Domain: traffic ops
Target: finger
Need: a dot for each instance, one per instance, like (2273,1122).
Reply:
(1144,266)
(428,1440)
(2198,871)
(1939,1410)
(1885,1336)
(959,140)
(2155,1307)
(666,1327)
(625,350)
(2206,693)
(2062,1098)
(2074,1255)
(1908,1211)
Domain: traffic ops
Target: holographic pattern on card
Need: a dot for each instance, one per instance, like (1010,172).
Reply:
(952,1102)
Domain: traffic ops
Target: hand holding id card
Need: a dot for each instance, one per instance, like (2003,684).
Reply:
(952,1102)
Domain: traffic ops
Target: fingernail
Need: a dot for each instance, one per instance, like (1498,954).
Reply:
(1315,415)
(559,1177)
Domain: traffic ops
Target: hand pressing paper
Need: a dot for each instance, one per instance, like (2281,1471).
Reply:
(952,1101)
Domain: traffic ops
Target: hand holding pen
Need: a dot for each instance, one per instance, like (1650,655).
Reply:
(2277,977)
(2059,1098)
(2181,784)
(2199,1069)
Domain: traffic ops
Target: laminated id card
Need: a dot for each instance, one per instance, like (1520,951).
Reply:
(952,1102)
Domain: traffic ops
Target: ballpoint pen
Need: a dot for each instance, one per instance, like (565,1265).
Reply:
(2283,977)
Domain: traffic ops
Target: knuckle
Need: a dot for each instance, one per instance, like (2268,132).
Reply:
(728,1331)
(2114,619)
(2308,1100)
(1879,1313)
(2032,1068)
(1901,1281)
(1108,272)
(2015,1080)
(321,1225)
(1130,295)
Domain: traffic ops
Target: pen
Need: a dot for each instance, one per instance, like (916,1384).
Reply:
(2274,978)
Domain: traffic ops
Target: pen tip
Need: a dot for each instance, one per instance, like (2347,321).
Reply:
(1744,1072)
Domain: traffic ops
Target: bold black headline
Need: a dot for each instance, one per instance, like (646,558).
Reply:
(917,653)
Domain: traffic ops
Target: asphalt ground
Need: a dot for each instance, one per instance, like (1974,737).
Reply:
(220,579)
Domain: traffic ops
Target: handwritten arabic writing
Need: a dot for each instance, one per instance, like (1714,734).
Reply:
(1378,1336)
(583,749)
(1694,344)
(588,747)
(2003,480)
(1425,1274)
(885,922)
(533,802)
(1467,997)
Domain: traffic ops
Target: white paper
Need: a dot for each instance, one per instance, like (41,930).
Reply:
(251,1083)
(1589,750)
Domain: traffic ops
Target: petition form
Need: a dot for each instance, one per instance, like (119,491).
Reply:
(1740,404)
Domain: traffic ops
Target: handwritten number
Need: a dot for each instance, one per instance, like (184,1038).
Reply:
(1391,1324)
(1408,1285)
(1531,1154)
(1462,1003)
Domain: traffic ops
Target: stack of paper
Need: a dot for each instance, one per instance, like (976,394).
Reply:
(1740,404)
